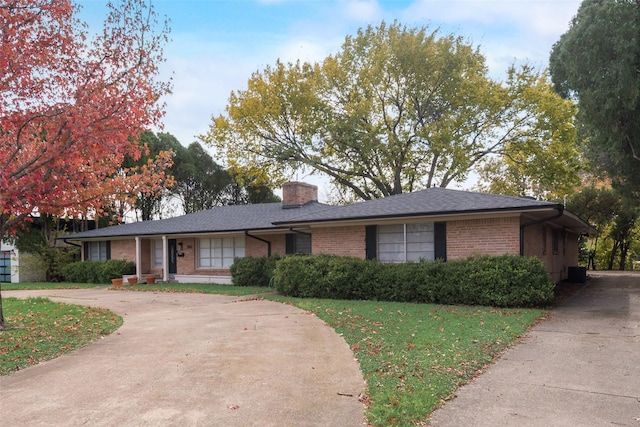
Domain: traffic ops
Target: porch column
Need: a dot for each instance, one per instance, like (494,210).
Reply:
(138,258)
(165,259)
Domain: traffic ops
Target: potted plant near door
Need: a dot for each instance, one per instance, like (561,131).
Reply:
(132,280)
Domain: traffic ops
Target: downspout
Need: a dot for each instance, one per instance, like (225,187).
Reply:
(246,233)
(560,210)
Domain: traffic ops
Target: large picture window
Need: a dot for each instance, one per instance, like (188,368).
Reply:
(219,252)
(406,242)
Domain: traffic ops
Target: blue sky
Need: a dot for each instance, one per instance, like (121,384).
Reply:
(217,44)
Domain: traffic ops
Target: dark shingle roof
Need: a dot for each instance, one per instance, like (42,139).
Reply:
(220,219)
(432,201)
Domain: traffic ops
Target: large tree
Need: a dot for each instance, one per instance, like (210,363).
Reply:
(544,159)
(156,161)
(201,183)
(397,109)
(597,62)
(72,104)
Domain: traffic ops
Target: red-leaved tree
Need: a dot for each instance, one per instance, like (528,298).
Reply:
(72,103)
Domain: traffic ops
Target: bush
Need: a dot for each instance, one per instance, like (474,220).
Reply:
(250,271)
(503,281)
(114,268)
(96,271)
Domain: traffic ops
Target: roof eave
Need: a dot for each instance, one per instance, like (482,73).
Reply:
(456,213)
(181,233)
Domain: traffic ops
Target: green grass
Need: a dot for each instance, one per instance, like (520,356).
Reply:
(37,329)
(44,285)
(413,356)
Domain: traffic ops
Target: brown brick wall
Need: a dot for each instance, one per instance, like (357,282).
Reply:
(187,263)
(345,241)
(123,249)
(535,244)
(298,193)
(256,248)
(490,236)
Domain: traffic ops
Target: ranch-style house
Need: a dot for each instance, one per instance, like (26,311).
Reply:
(428,224)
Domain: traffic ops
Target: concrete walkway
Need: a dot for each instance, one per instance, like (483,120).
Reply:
(191,360)
(579,368)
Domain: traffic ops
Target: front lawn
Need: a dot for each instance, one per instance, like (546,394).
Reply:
(413,356)
(37,329)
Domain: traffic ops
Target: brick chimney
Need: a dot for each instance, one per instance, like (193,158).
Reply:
(295,194)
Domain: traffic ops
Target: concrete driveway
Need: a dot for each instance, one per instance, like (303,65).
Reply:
(581,367)
(191,360)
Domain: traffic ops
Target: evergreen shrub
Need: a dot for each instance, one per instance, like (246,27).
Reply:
(250,271)
(501,281)
(97,271)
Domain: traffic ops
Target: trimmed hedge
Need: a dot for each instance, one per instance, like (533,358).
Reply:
(250,271)
(97,271)
(501,281)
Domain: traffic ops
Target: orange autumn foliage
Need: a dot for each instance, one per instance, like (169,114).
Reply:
(73,104)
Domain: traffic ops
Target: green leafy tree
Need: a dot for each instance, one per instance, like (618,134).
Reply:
(37,237)
(397,109)
(615,217)
(598,207)
(542,158)
(623,233)
(247,190)
(597,62)
(149,203)
(201,183)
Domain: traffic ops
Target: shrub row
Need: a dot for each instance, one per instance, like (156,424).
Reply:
(97,271)
(501,281)
(251,271)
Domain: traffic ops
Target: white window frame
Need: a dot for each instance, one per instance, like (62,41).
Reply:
(100,248)
(219,252)
(413,242)
(157,253)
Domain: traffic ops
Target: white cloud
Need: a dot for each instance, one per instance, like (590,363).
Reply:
(362,10)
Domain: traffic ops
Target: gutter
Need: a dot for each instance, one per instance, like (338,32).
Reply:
(560,210)
(64,239)
(299,232)
(246,233)
(418,214)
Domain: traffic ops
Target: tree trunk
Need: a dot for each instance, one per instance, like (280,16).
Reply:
(612,257)
(624,250)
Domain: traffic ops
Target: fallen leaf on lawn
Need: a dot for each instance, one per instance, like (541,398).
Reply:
(233,407)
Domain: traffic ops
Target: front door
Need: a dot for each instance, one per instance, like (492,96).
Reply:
(173,256)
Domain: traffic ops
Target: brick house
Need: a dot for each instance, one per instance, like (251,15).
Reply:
(428,224)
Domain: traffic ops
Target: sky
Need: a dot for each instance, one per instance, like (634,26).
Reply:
(217,44)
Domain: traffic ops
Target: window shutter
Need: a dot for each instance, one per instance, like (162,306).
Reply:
(289,244)
(440,240)
(108,249)
(85,256)
(370,239)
